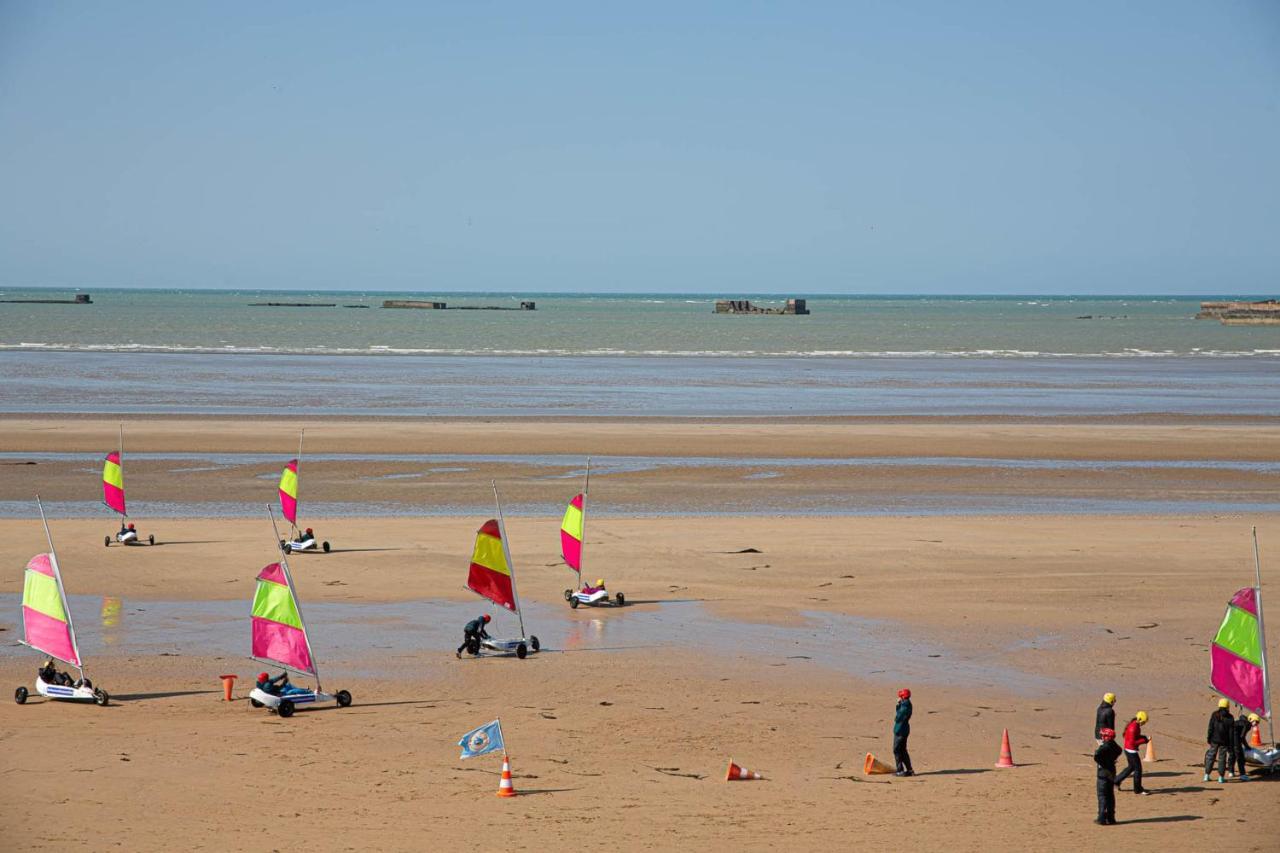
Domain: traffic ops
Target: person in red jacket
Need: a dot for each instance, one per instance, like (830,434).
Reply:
(1134,738)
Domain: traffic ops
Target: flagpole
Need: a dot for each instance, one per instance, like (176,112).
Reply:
(506,552)
(1262,636)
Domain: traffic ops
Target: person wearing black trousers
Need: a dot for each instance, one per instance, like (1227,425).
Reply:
(1240,745)
(902,731)
(1105,757)
(1105,718)
(1220,734)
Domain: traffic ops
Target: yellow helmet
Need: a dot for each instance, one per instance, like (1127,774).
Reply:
(599,581)
(1223,703)
(1109,698)
(1255,719)
(1141,717)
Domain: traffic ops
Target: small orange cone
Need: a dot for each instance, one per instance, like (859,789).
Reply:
(740,774)
(872,766)
(1255,735)
(1150,757)
(228,681)
(505,788)
(1006,754)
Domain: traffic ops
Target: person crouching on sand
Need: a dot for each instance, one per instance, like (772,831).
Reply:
(902,731)
(1134,738)
(1105,757)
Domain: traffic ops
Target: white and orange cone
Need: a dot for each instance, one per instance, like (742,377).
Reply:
(1006,754)
(505,788)
(1255,736)
(740,774)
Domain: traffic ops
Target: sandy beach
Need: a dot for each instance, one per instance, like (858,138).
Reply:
(776,639)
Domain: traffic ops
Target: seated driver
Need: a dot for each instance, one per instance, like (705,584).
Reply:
(592,590)
(48,673)
(278,686)
(127,528)
(307,536)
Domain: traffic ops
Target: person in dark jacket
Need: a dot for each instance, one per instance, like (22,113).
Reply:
(902,731)
(1219,736)
(1106,716)
(1239,745)
(1105,757)
(473,630)
(1134,738)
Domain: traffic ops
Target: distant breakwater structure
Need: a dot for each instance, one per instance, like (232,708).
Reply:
(441,306)
(1263,313)
(745,306)
(80,299)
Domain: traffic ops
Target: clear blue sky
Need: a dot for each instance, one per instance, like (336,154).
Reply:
(732,147)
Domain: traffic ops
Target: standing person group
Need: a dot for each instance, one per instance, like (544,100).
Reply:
(1107,751)
(1228,741)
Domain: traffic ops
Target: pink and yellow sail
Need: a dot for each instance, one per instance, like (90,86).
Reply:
(279,636)
(289,492)
(113,482)
(46,625)
(1237,657)
(490,573)
(571,533)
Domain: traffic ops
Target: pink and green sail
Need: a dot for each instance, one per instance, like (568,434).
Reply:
(279,635)
(571,533)
(289,492)
(46,624)
(113,482)
(1237,663)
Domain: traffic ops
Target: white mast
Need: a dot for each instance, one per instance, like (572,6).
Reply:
(297,487)
(124,514)
(1262,635)
(62,593)
(506,552)
(284,566)
(582,544)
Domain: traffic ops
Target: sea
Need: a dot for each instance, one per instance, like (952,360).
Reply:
(183,351)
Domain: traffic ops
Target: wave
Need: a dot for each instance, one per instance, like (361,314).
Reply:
(388,350)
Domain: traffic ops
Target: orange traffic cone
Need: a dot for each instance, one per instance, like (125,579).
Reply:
(1255,735)
(740,774)
(1006,754)
(1150,757)
(505,788)
(872,766)
(228,681)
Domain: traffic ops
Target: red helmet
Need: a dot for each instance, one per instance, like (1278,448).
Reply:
(262,676)
(486,618)
(1107,734)
(309,530)
(904,693)
(131,525)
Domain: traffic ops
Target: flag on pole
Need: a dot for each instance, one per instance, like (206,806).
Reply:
(487,738)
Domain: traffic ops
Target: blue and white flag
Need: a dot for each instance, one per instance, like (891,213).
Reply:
(487,738)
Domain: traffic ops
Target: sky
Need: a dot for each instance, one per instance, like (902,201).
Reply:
(735,148)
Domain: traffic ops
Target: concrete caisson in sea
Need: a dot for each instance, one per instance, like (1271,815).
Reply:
(744,306)
(1264,313)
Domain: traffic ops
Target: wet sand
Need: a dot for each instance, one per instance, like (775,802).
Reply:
(619,732)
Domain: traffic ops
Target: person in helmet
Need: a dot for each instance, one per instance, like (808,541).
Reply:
(473,629)
(49,674)
(902,731)
(1240,745)
(1105,757)
(1105,718)
(1219,736)
(306,536)
(278,686)
(589,589)
(1134,738)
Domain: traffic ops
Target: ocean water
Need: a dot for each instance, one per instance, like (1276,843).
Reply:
(184,352)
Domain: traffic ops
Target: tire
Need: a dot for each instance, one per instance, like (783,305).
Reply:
(568,594)
(534,644)
(254,702)
(622,600)
(101,698)
(284,546)
(20,695)
(285,709)
(151,540)
(106,540)
(344,698)
(522,651)
(573,602)
(325,546)
(473,646)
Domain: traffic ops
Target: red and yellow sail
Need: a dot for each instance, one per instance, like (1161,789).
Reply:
(289,492)
(571,533)
(490,573)
(113,482)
